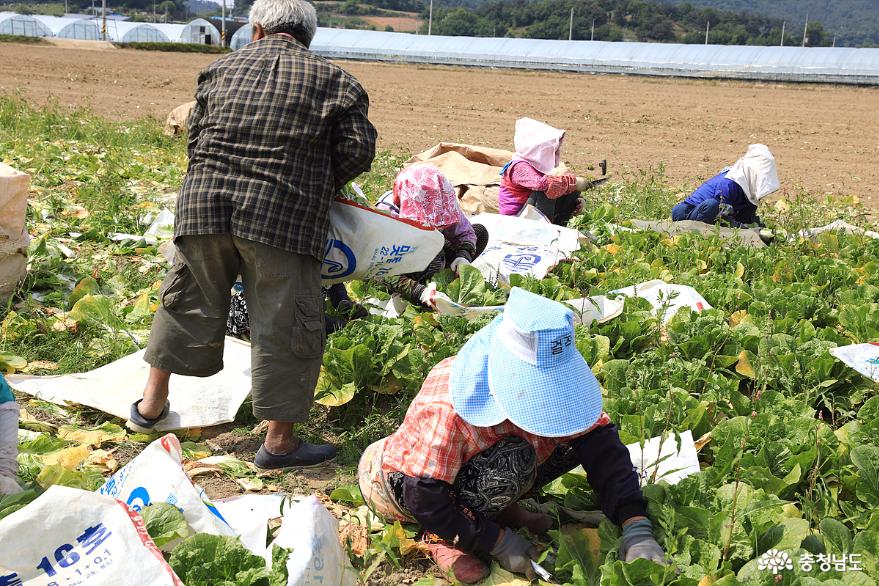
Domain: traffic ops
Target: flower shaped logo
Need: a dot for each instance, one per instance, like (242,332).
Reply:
(775,561)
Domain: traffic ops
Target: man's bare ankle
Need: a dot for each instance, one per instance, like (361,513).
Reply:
(279,447)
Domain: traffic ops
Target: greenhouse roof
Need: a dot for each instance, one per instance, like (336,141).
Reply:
(57,23)
(821,64)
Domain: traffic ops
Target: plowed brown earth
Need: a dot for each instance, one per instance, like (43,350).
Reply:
(826,138)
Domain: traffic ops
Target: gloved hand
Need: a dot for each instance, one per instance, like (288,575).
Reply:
(581,203)
(458,263)
(514,553)
(583,184)
(638,542)
(427,296)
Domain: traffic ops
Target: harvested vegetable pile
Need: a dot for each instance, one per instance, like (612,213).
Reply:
(788,436)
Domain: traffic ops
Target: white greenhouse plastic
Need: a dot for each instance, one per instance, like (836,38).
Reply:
(71,28)
(198,31)
(818,64)
(134,32)
(202,32)
(22,25)
(241,37)
(174,32)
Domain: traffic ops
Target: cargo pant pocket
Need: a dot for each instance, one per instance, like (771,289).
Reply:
(174,286)
(308,328)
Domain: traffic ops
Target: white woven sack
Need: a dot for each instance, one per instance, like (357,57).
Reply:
(73,536)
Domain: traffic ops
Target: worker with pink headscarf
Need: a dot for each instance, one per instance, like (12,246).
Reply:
(423,194)
(529,178)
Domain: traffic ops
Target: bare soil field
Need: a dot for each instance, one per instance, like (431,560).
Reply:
(400,24)
(825,138)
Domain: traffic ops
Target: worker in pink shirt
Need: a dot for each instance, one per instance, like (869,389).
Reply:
(529,178)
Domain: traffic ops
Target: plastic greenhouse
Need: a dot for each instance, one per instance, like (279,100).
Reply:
(241,37)
(174,32)
(202,32)
(22,25)
(198,31)
(818,64)
(134,32)
(71,28)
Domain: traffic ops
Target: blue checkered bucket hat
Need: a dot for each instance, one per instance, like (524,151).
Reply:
(468,380)
(525,367)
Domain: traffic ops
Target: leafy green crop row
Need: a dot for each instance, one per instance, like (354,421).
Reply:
(788,436)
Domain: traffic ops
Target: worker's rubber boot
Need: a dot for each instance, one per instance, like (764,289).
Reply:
(465,567)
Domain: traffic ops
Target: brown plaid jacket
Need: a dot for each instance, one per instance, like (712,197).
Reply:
(275,132)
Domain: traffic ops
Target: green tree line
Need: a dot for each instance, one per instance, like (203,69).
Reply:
(617,20)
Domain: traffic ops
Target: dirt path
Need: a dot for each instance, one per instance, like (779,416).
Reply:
(826,138)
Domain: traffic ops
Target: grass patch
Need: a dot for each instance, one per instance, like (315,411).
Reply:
(50,8)
(23,39)
(174,47)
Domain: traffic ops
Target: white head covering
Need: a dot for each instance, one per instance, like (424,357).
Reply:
(538,144)
(756,173)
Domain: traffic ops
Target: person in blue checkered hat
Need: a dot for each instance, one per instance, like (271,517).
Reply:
(516,408)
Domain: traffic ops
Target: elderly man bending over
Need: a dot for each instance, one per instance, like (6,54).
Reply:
(275,132)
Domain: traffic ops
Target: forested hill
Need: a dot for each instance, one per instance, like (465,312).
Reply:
(617,20)
(854,22)
(741,22)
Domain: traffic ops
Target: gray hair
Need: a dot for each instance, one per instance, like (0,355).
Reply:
(295,17)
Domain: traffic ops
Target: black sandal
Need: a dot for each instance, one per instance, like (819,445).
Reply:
(139,423)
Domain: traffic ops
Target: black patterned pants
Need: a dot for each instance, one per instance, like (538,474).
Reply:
(496,478)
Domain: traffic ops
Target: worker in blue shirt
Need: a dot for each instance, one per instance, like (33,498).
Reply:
(732,195)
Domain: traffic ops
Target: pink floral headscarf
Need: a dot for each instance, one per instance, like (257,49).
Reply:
(426,196)
(539,144)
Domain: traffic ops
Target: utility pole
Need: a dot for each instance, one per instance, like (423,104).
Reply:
(834,41)
(104,19)
(707,28)
(783,22)
(430,20)
(66,10)
(805,29)
(223,30)
(592,34)
(571,25)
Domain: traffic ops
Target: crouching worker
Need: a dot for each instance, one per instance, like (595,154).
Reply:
(516,408)
(8,440)
(424,195)
(527,179)
(732,195)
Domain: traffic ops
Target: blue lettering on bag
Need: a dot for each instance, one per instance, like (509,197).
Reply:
(521,261)
(138,499)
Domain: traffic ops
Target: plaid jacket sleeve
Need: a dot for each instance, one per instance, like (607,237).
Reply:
(353,141)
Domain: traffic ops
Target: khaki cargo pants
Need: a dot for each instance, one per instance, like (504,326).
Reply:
(285,303)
